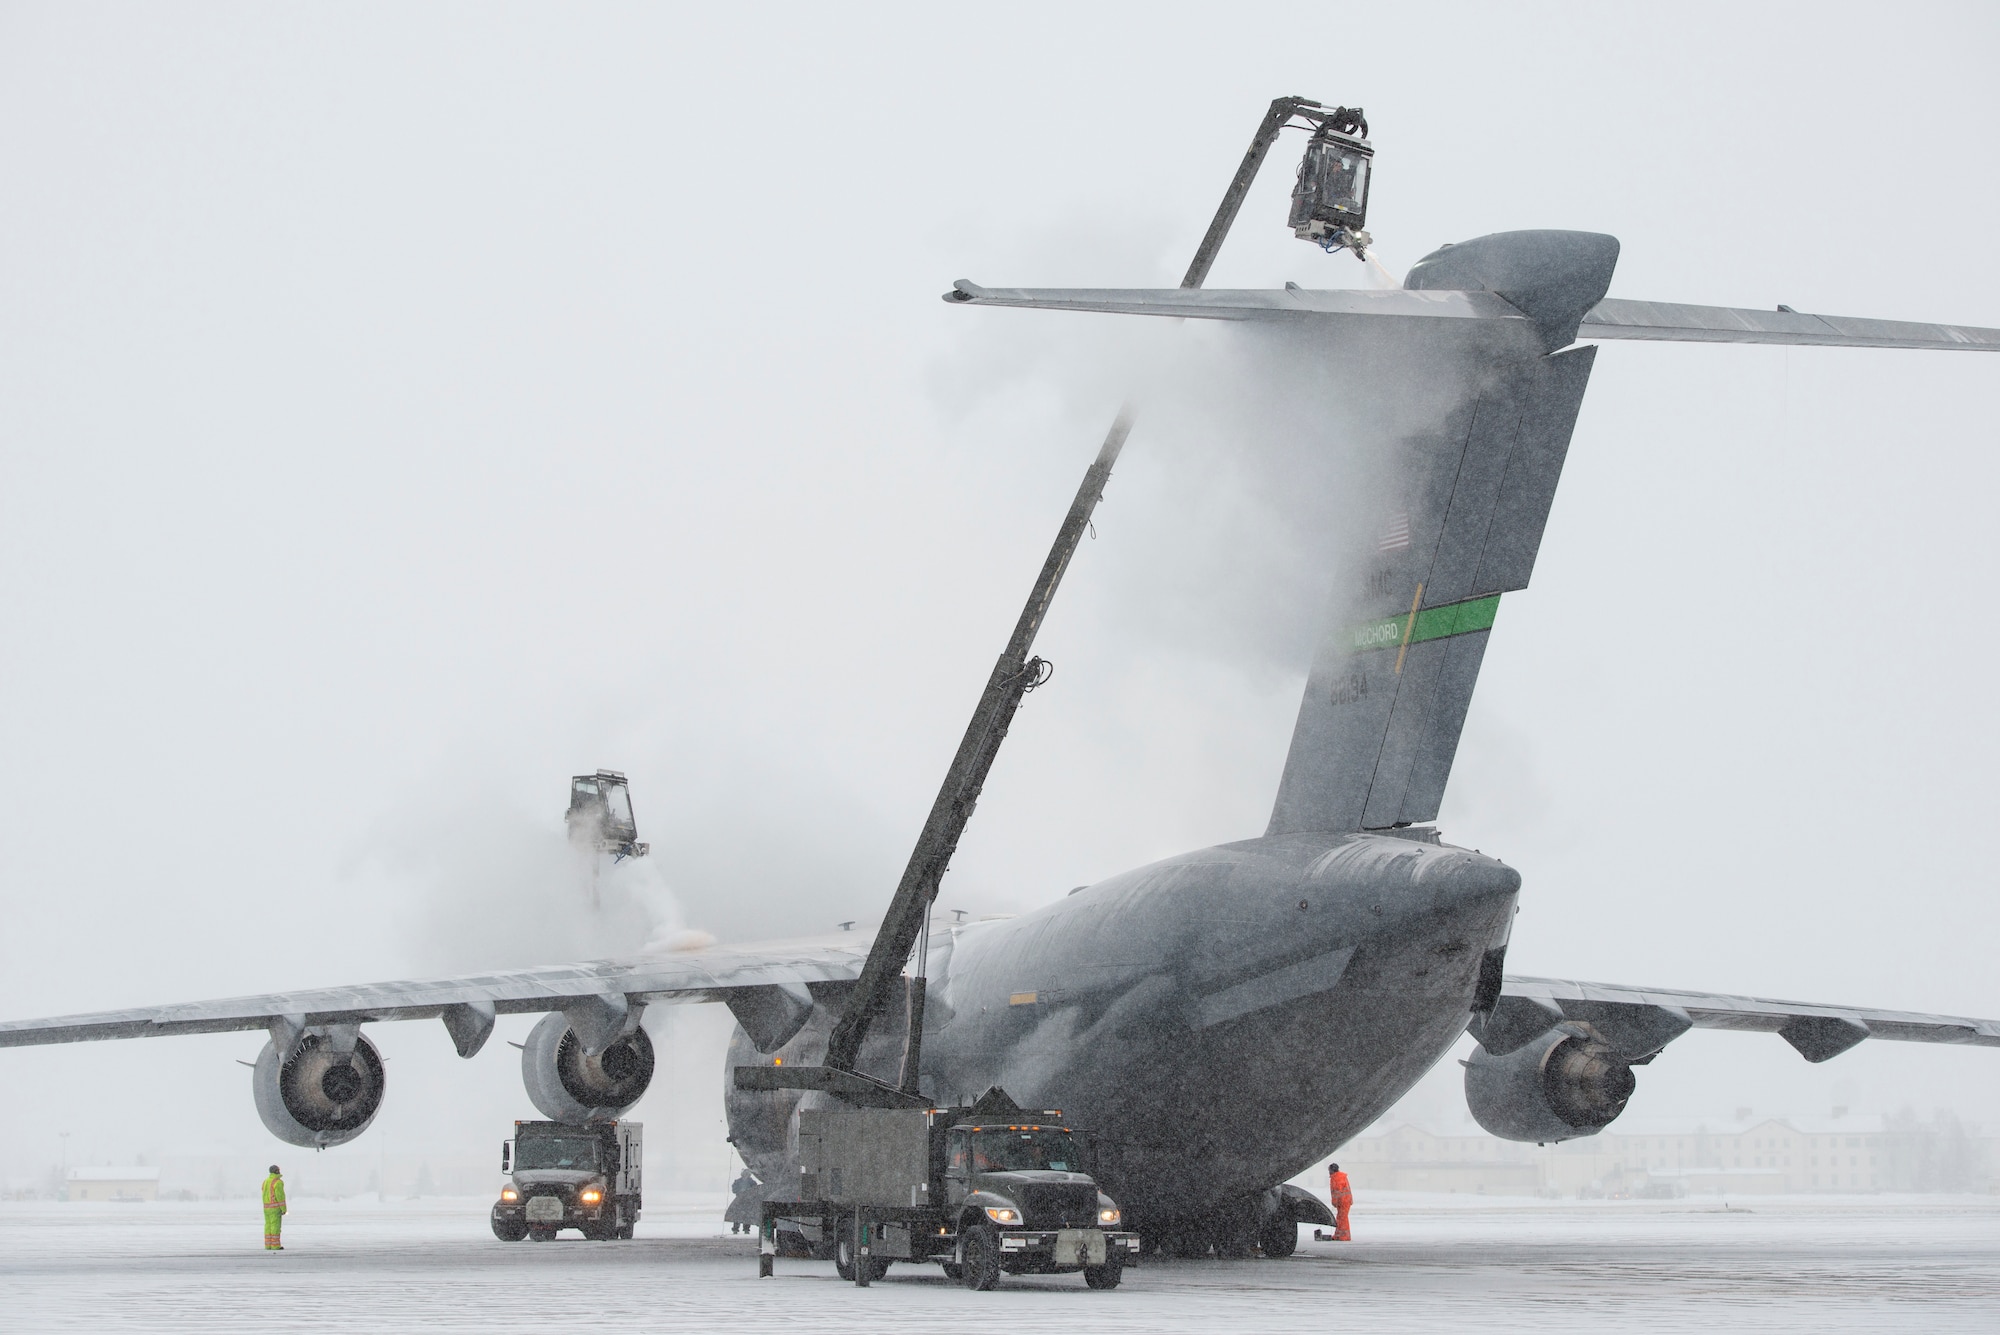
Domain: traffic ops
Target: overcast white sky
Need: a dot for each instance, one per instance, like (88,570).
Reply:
(404,408)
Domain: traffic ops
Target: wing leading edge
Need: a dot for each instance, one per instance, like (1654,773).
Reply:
(1639,1021)
(732,975)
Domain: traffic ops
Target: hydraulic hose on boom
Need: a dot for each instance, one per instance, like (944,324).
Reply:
(1015,674)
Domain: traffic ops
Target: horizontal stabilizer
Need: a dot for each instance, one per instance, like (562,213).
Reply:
(1664,321)
(1611,318)
(1244,303)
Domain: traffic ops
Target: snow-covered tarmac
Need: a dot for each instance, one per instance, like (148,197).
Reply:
(1422,1263)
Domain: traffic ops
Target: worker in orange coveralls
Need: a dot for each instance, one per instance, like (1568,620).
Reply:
(1342,1192)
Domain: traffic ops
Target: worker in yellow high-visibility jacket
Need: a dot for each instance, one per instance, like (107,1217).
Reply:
(274,1210)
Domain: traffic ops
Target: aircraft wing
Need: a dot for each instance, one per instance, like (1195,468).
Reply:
(751,979)
(1639,1021)
(1610,318)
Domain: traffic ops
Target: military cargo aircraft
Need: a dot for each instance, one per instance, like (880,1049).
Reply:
(1166,1008)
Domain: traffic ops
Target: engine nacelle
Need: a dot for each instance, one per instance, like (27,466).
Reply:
(568,1085)
(325,1092)
(1559,1086)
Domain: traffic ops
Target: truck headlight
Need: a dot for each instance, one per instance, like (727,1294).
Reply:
(591,1196)
(1110,1216)
(1000,1214)
(509,1194)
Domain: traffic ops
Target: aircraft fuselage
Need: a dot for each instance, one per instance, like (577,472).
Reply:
(1220,1020)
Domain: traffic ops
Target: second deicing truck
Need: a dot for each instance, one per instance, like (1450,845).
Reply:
(580,1175)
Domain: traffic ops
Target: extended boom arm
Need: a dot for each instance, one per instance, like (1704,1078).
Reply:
(1013,676)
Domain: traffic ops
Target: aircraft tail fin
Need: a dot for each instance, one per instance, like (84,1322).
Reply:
(1392,680)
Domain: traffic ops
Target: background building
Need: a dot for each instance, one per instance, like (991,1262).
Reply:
(111,1184)
(1744,1155)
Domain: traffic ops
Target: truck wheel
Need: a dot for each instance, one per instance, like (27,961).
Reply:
(1279,1238)
(509,1230)
(541,1235)
(843,1261)
(1106,1276)
(953,1271)
(843,1250)
(982,1258)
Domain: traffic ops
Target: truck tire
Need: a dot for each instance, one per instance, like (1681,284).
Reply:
(1279,1237)
(541,1234)
(1106,1276)
(843,1261)
(953,1271)
(982,1258)
(510,1230)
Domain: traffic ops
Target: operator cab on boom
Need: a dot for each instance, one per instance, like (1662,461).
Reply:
(600,815)
(1330,201)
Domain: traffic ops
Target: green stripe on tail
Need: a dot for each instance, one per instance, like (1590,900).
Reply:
(1433,623)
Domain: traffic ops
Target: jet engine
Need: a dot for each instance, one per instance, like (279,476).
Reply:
(1564,1084)
(570,1085)
(325,1092)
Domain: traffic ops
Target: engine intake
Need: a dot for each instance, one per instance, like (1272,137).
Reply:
(325,1092)
(569,1085)
(1559,1086)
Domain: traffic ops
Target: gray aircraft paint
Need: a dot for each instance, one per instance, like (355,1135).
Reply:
(1226,1017)
(1392,680)
(1243,1008)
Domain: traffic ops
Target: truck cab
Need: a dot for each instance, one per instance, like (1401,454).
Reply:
(1024,1203)
(584,1176)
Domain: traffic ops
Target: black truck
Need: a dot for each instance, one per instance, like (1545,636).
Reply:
(982,1191)
(580,1175)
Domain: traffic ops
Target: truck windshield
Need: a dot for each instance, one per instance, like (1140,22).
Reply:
(573,1152)
(1000,1151)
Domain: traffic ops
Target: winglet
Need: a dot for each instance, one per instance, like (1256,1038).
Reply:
(965,290)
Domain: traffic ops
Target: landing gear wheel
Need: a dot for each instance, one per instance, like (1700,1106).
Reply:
(1279,1238)
(509,1230)
(1106,1276)
(541,1235)
(982,1258)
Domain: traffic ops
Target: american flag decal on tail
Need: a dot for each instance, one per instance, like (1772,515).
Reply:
(1396,534)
